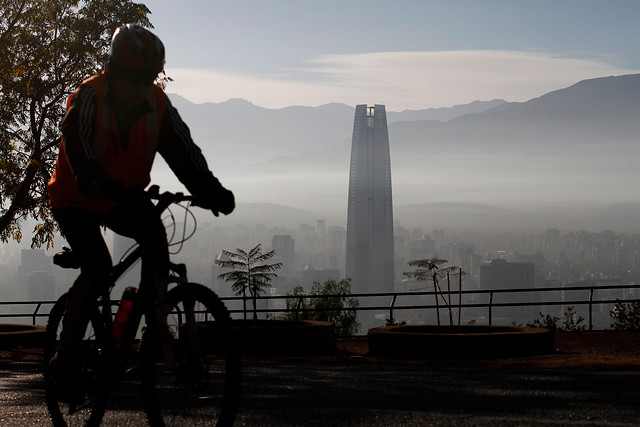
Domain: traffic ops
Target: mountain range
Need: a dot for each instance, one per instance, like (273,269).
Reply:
(557,156)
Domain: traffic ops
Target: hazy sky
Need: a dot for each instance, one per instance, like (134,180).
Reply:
(407,54)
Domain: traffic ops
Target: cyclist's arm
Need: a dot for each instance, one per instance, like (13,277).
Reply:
(183,156)
(78,129)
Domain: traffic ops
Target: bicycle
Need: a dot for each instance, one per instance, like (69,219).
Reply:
(188,368)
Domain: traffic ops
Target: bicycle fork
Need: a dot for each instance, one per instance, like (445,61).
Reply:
(186,333)
(161,310)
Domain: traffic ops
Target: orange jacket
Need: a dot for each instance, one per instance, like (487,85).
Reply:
(130,166)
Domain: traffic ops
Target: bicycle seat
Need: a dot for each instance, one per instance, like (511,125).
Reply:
(66,258)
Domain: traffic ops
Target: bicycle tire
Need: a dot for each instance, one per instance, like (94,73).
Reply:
(190,394)
(94,371)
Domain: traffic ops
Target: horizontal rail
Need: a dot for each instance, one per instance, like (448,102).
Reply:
(393,297)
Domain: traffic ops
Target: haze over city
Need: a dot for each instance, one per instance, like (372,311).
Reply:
(506,119)
(546,162)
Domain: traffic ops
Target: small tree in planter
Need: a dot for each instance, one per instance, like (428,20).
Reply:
(430,269)
(249,273)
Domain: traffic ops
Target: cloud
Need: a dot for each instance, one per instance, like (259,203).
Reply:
(401,80)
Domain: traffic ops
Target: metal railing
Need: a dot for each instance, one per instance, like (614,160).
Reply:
(392,301)
(34,315)
(457,296)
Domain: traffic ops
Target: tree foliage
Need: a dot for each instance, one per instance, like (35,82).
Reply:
(425,269)
(431,269)
(249,272)
(330,301)
(48,47)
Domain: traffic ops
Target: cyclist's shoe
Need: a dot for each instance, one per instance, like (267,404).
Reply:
(66,379)
(66,258)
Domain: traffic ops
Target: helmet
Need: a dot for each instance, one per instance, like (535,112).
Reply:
(135,50)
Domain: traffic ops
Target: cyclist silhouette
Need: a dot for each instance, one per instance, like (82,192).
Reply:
(115,123)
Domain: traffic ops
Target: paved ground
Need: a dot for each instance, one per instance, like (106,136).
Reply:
(595,384)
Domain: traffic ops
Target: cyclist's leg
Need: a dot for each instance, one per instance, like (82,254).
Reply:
(82,231)
(142,223)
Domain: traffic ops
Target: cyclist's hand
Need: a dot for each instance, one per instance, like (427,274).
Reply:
(222,201)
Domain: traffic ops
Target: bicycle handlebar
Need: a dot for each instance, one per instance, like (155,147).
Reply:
(67,259)
(167,198)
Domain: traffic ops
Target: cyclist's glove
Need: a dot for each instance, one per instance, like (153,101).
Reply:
(221,200)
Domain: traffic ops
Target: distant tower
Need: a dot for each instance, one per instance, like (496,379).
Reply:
(285,247)
(370,213)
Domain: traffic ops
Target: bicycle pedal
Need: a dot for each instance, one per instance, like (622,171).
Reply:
(77,407)
(133,370)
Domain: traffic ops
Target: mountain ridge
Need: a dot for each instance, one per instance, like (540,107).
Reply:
(572,146)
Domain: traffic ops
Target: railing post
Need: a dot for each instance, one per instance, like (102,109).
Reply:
(490,307)
(591,309)
(393,303)
(35,313)
(298,308)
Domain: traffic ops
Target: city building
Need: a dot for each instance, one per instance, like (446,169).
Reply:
(369,248)
(311,275)
(35,275)
(501,274)
(285,247)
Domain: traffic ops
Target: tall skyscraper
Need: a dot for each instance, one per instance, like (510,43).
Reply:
(369,247)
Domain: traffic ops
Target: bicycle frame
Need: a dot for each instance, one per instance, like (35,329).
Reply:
(149,301)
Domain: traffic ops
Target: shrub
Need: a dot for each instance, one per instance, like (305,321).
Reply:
(571,321)
(394,322)
(626,317)
(336,306)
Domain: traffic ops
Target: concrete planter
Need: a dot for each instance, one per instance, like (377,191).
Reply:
(464,342)
(21,336)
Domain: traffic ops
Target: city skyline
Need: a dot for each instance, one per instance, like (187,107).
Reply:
(560,258)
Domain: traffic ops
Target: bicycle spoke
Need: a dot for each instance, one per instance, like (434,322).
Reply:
(90,386)
(204,384)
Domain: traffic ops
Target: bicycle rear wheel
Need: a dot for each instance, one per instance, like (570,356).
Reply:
(93,379)
(203,385)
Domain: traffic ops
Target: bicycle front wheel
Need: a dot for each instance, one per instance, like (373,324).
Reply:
(201,384)
(90,377)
